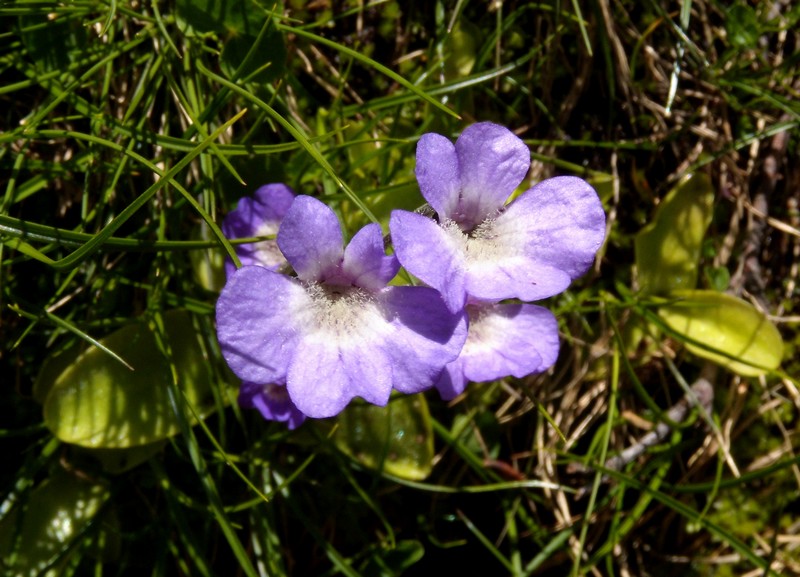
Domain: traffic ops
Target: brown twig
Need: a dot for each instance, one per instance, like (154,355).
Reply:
(701,394)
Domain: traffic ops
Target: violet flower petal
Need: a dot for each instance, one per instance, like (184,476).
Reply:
(426,336)
(500,265)
(493,162)
(311,240)
(327,373)
(438,173)
(504,340)
(257,314)
(258,215)
(366,263)
(544,240)
(564,223)
(509,339)
(532,250)
(432,254)
(272,401)
(334,333)
(452,381)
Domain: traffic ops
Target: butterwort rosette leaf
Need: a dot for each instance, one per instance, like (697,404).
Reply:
(504,339)
(335,331)
(481,248)
(258,215)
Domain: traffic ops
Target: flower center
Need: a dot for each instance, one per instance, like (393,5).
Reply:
(482,243)
(276,393)
(267,251)
(338,310)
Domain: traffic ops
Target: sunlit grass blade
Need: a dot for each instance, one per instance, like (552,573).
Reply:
(297,135)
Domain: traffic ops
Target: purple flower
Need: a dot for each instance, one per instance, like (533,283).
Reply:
(504,340)
(259,215)
(530,249)
(273,403)
(336,331)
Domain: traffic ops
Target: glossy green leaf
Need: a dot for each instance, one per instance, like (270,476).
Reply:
(43,527)
(98,402)
(668,249)
(117,461)
(461,47)
(397,438)
(726,330)
(208,264)
(56,363)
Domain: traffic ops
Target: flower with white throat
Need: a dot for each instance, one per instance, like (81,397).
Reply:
(481,248)
(336,331)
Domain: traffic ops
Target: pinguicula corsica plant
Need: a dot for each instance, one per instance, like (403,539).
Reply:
(336,330)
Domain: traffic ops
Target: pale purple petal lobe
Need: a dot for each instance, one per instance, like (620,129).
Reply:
(272,401)
(509,340)
(564,223)
(366,263)
(317,382)
(438,173)
(311,240)
(432,254)
(259,315)
(452,381)
(504,340)
(259,215)
(326,374)
(493,162)
(514,276)
(426,336)
(274,200)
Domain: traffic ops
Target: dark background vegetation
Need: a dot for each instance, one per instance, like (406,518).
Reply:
(631,95)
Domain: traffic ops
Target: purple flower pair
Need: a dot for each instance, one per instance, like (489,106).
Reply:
(480,251)
(337,331)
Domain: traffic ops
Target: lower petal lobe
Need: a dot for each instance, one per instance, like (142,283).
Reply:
(258,313)
(426,336)
(432,254)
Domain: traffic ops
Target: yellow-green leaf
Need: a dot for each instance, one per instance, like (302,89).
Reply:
(668,249)
(54,513)
(725,329)
(397,438)
(117,461)
(208,264)
(98,402)
(461,48)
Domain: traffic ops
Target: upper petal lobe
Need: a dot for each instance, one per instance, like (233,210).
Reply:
(438,173)
(366,263)
(432,254)
(259,215)
(493,163)
(311,239)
